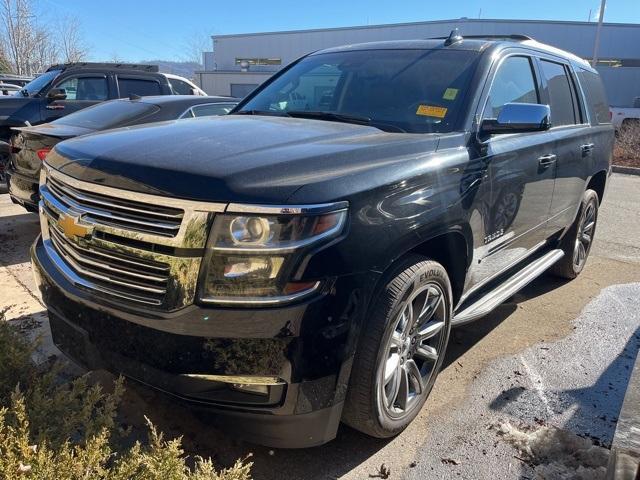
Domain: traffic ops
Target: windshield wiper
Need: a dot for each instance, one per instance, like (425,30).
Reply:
(344,117)
(261,112)
(339,117)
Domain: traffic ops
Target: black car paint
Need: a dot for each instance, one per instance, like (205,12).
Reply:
(23,170)
(403,191)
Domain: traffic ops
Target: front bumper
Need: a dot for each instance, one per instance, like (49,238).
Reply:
(307,347)
(23,189)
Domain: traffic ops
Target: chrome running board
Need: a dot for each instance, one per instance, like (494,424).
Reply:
(502,292)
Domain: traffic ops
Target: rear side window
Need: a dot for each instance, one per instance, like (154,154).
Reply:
(180,88)
(595,96)
(514,82)
(136,86)
(563,108)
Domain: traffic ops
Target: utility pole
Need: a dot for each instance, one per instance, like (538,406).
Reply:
(596,45)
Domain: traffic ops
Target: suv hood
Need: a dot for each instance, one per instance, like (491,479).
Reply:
(233,158)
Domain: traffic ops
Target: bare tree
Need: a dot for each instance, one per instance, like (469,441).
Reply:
(31,46)
(194,45)
(17,18)
(72,46)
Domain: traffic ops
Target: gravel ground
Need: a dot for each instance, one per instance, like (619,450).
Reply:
(557,353)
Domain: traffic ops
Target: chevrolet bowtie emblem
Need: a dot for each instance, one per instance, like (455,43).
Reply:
(70,226)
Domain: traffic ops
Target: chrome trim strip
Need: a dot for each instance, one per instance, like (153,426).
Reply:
(135,196)
(97,276)
(237,379)
(70,249)
(72,277)
(504,269)
(104,214)
(287,209)
(261,300)
(77,195)
(512,285)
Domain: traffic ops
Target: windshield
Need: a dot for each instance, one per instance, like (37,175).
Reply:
(38,83)
(108,114)
(416,91)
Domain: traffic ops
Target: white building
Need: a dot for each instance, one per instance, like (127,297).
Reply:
(241,62)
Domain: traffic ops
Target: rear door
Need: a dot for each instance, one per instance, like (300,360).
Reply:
(83,90)
(520,169)
(573,144)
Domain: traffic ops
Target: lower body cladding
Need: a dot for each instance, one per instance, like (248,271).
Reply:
(276,376)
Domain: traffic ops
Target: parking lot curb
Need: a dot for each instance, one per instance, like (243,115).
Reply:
(625,170)
(624,462)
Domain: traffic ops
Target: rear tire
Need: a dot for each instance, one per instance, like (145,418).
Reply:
(401,349)
(577,242)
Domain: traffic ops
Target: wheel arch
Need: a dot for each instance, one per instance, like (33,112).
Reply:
(451,247)
(598,183)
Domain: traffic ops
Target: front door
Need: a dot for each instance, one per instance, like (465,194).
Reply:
(82,91)
(521,169)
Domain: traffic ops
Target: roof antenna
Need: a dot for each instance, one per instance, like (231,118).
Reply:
(454,37)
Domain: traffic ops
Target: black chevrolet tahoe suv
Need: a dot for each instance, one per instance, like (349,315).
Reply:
(301,261)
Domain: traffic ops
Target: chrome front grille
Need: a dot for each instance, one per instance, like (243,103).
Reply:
(135,248)
(117,212)
(119,275)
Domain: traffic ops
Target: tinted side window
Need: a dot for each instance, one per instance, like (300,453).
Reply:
(137,86)
(212,109)
(179,87)
(595,96)
(559,90)
(85,88)
(513,83)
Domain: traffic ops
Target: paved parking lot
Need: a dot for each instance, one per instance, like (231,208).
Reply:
(558,352)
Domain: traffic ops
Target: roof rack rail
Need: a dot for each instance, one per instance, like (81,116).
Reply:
(511,36)
(115,66)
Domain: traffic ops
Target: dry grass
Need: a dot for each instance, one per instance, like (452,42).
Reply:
(627,148)
(52,429)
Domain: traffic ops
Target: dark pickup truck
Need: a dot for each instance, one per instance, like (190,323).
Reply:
(302,260)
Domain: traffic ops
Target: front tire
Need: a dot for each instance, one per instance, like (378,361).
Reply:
(401,349)
(577,242)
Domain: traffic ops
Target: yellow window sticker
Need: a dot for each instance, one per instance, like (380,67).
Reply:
(431,111)
(450,94)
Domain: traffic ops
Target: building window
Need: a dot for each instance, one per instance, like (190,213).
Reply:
(259,61)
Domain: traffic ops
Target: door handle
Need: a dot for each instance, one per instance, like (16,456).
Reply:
(547,160)
(54,107)
(587,149)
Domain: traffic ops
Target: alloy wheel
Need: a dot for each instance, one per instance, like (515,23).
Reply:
(413,350)
(584,236)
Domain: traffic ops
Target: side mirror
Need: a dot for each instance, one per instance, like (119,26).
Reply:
(57,94)
(194,92)
(518,118)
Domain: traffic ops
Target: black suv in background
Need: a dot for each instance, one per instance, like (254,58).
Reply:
(302,260)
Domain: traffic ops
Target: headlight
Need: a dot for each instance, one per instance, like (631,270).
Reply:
(252,256)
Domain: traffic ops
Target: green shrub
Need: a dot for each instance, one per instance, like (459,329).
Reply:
(65,430)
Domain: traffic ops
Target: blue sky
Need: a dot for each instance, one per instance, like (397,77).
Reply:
(134,30)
